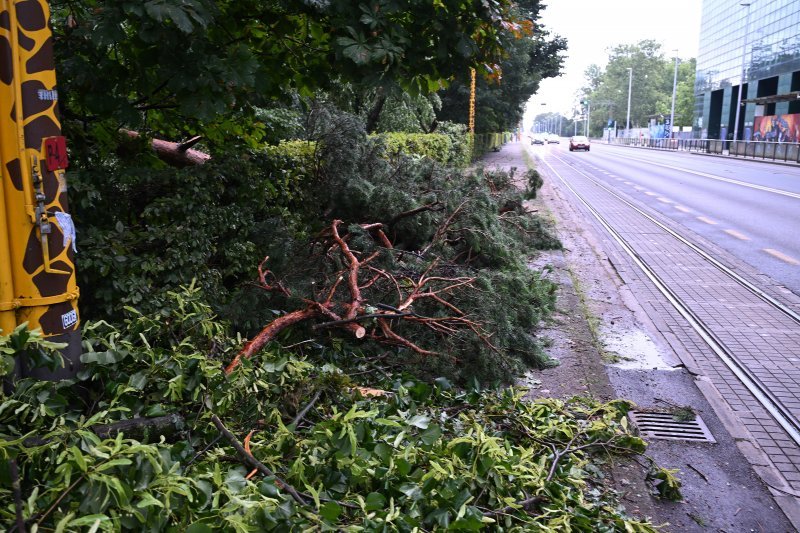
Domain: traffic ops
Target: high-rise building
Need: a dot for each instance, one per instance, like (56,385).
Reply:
(760,39)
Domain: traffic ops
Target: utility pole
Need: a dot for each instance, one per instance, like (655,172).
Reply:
(588,115)
(674,88)
(628,117)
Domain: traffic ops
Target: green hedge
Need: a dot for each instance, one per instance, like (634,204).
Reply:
(450,148)
(485,142)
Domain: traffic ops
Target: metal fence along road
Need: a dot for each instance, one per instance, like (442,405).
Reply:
(764,150)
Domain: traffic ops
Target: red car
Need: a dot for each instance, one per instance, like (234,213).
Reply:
(579,142)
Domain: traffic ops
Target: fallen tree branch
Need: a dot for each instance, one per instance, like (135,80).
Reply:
(17,489)
(305,409)
(267,334)
(411,212)
(173,153)
(142,429)
(252,462)
(360,318)
(355,275)
(526,504)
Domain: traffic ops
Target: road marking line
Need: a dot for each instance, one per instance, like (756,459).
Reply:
(648,193)
(706,220)
(684,209)
(628,183)
(783,257)
(736,234)
(718,178)
(664,200)
(616,178)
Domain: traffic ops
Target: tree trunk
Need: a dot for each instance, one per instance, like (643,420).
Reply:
(375,112)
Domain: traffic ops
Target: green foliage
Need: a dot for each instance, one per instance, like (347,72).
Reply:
(665,482)
(433,145)
(212,66)
(409,114)
(29,344)
(146,228)
(651,89)
(419,456)
(500,100)
(460,142)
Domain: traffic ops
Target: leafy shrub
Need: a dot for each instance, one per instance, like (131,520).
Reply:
(432,145)
(416,455)
(461,147)
(145,230)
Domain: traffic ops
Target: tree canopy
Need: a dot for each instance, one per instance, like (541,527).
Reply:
(651,87)
(201,66)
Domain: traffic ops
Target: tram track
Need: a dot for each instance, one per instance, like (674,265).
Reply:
(763,395)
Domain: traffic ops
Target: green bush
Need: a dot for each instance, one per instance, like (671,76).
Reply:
(145,228)
(432,145)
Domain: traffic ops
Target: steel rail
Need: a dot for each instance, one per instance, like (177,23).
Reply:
(765,397)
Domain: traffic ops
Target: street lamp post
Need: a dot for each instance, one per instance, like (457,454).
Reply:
(674,87)
(628,118)
(588,116)
(741,82)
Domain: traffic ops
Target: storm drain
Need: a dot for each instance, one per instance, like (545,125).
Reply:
(667,426)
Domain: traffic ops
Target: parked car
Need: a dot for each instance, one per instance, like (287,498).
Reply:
(537,138)
(553,139)
(578,142)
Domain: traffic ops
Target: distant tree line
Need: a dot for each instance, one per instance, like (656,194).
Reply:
(651,88)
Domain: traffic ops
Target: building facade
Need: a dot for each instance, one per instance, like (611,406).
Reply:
(760,40)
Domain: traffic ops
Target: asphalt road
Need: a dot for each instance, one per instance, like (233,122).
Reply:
(750,209)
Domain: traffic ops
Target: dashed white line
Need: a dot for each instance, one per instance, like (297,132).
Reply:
(664,200)
(707,220)
(648,193)
(720,178)
(781,256)
(737,235)
(684,209)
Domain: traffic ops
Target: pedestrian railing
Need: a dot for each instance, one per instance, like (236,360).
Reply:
(765,150)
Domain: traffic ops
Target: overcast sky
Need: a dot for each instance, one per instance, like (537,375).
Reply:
(594,26)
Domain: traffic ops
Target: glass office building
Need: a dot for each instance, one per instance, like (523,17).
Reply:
(761,40)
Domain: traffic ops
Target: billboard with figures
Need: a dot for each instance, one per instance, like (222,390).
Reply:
(777,128)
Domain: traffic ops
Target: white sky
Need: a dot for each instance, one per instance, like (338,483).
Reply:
(592,27)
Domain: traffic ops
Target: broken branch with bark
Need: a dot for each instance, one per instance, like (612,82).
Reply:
(347,300)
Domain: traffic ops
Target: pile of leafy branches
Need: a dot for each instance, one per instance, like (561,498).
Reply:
(145,229)
(286,443)
(410,237)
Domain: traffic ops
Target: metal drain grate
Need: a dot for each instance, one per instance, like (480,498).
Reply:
(665,426)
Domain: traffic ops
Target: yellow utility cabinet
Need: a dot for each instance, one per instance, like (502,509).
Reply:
(37,237)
